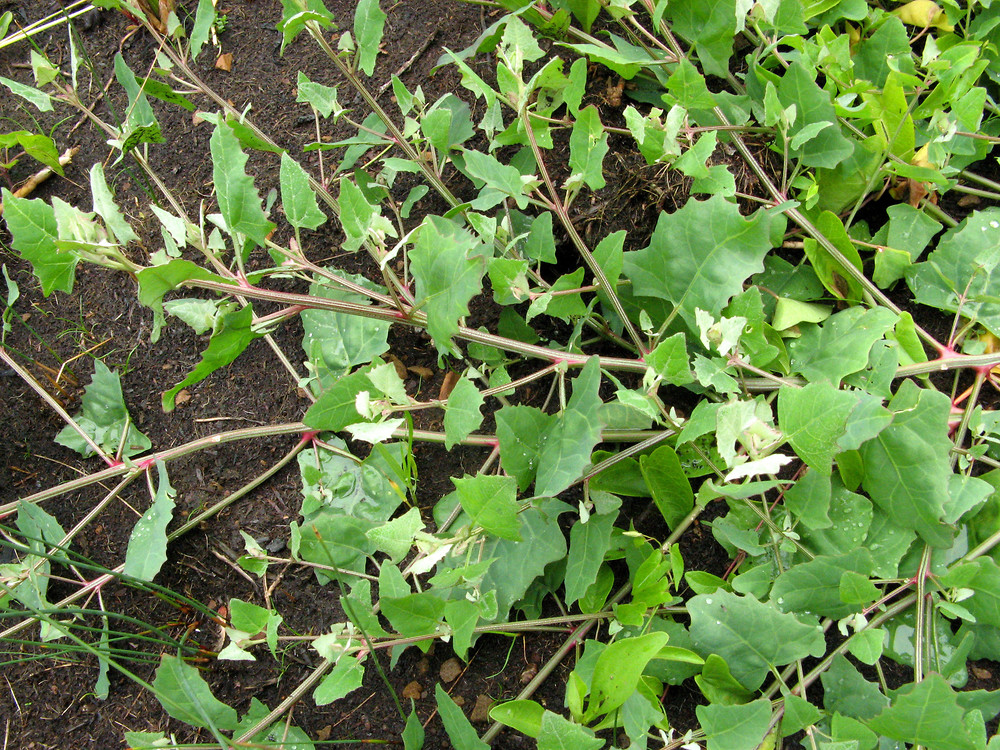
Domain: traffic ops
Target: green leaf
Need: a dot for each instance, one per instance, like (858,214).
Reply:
(335,408)
(813,419)
(297,13)
(41,100)
(36,145)
(523,715)
(517,44)
(321,98)
(559,733)
(330,538)
(588,543)
(958,275)
(460,731)
(185,695)
(799,714)
(156,281)
(517,564)
(491,502)
(829,147)
(571,436)
(562,306)
(907,234)
(626,60)
(232,335)
(448,123)
(718,685)
(985,603)
(248,617)
(519,432)
(752,637)
(461,616)
(34,232)
(396,536)
(700,256)
(462,413)
(163,92)
(618,670)
(845,691)
(692,161)
(926,713)
(448,274)
(588,145)
(840,524)
(414,614)
(814,586)
(104,206)
(413,732)
(147,544)
(668,484)
(831,272)
(669,360)
(369,22)
(689,86)
(867,645)
(509,280)
(345,677)
(585,11)
(710,27)
(199,314)
(342,340)
(906,466)
(333,481)
(889,42)
(204,19)
(104,417)
(140,124)
(297,197)
(239,202)
(502,178)
(840,346)
(735,727)
(541,244)
(280,734)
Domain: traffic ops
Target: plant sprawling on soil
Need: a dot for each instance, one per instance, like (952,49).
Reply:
(563,374)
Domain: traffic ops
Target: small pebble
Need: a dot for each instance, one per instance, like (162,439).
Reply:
(450,670)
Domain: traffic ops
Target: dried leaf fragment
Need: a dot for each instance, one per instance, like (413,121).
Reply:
(451,379)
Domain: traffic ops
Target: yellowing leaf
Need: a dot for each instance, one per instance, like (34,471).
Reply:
(923,13)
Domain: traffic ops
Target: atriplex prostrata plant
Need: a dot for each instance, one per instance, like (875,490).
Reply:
(858,496)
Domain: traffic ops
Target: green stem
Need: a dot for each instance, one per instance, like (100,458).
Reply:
(559,207)
(419,320)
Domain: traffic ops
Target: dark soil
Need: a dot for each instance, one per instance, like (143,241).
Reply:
(49,702)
